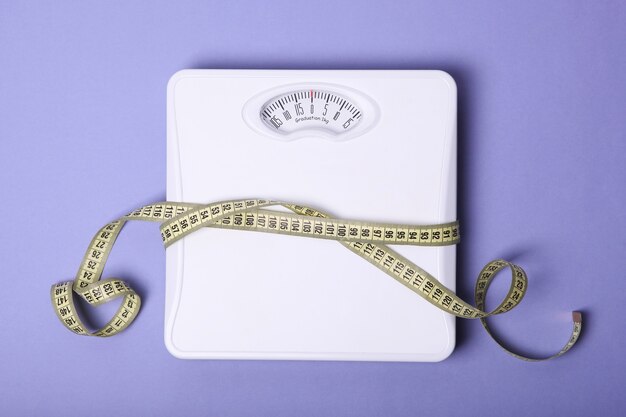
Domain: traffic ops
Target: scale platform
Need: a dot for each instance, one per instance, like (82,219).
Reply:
(364,145)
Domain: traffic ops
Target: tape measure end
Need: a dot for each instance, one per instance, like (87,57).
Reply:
(577,316)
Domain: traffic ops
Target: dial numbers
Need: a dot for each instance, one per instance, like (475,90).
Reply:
(310,110)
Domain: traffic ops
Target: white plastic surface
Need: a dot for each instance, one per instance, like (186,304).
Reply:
(244,295)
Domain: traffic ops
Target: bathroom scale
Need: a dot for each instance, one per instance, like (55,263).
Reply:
(377,145)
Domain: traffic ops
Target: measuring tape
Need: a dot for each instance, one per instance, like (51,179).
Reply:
(368,240)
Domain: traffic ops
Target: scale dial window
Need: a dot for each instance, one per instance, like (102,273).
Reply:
(311,110)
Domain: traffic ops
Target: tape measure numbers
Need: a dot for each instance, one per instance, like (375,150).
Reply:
(369,240)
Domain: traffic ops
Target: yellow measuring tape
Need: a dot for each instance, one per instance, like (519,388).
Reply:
(368,240)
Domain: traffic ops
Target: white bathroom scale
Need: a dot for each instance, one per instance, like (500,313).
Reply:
(364,145)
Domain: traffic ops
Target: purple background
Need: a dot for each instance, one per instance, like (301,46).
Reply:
(541,169)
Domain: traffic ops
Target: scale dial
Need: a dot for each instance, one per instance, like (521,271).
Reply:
(311,110)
